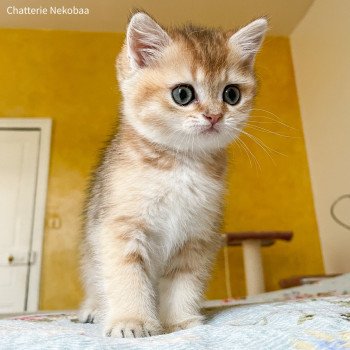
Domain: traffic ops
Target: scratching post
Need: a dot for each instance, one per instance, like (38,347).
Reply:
(253,267)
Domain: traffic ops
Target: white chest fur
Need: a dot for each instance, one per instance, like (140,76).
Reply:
(180,204)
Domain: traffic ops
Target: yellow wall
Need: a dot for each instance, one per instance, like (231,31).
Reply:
(69,76)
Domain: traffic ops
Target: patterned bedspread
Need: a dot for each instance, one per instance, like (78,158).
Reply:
(314,323)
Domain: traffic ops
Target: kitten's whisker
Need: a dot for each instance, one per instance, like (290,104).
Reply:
(263,146)
(234,144)
(248,152)
(270,121)
(259,128)
(276,118)
(245,151)
(256,162)
(261,121)
(266,111)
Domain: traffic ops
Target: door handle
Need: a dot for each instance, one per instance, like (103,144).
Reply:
(17,258)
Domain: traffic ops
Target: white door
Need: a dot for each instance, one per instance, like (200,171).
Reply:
(19,155)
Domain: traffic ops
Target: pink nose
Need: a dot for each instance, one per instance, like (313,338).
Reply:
(213,118)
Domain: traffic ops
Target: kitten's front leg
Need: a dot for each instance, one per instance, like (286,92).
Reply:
(183,283)
(130,307)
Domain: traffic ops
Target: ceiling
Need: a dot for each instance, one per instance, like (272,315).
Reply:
(111,15)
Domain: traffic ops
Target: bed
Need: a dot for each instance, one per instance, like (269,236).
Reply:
(308,317)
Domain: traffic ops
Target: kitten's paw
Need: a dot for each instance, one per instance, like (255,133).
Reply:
(184,324)
(130,328)
(87,315)
(88,312)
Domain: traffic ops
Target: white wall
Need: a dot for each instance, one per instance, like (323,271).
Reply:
(321,55)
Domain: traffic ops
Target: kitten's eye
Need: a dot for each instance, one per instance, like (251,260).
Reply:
(183,94)
(231,95)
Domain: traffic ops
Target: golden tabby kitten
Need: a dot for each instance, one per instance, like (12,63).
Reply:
(154,210)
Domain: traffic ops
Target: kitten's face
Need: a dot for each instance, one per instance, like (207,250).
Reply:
(190,89)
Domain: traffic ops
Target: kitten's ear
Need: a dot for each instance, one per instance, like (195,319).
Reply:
(249,38)
(145,40)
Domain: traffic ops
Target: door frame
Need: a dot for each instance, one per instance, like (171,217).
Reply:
(44,125)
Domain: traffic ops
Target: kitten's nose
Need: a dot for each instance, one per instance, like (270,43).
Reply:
(213,118)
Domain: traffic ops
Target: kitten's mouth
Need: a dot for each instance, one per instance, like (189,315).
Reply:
(210,130)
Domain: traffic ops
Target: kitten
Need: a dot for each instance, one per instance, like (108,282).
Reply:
(154,210)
